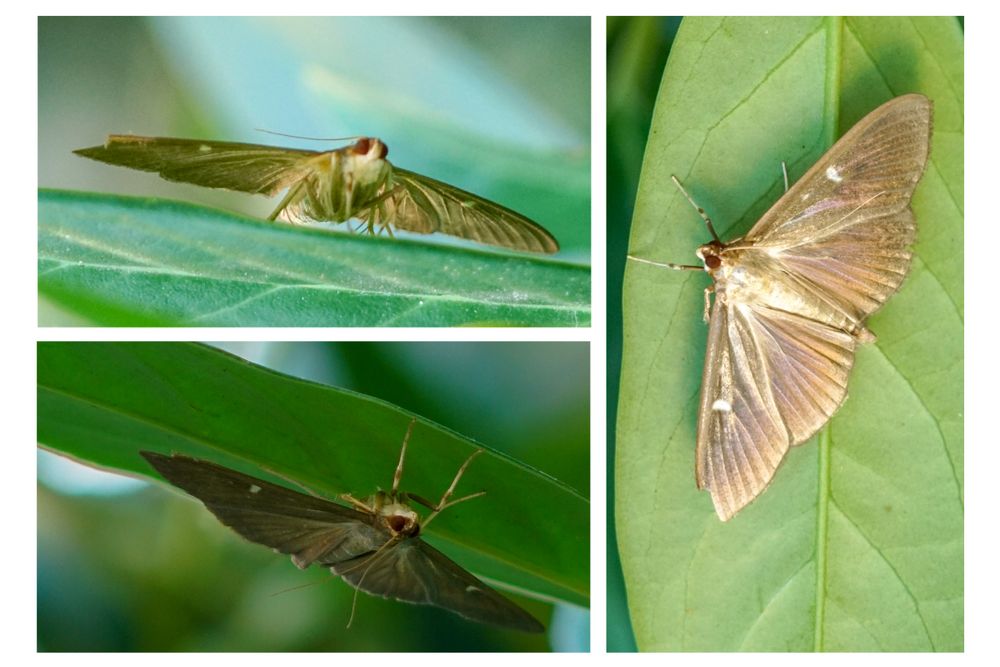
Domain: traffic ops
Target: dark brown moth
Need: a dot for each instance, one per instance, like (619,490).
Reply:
(353,182)
(792,297)
(374,545)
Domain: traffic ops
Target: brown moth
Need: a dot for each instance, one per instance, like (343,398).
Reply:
(374,545)
(792,297)
(353,182)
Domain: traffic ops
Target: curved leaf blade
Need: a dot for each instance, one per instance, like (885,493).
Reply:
(131,261)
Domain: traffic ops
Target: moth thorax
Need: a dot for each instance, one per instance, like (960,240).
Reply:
(400,519)
(364,173)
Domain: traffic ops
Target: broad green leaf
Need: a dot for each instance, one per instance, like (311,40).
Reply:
(101,403)
(129,261)
(858,543)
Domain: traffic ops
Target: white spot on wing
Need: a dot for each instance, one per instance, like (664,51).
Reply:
(205,148)
(833,174)
(722,405)
(254,488)
(471,589)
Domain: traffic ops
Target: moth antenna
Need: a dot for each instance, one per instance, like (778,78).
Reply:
(297,136)
(667,265)
(701,211)
(294,482)
(382,550)
(402,454)
(295,588)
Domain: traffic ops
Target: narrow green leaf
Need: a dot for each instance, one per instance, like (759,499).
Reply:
(858,543)
(130,261)
(102,403)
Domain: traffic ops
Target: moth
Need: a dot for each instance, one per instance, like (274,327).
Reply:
(792,297)
(374,545)
(352,182)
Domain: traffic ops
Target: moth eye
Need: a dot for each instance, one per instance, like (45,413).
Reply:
(384,151)
(397,523)
(362,146)
(713,261)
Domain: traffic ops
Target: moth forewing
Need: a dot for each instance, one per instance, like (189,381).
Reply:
(240,167)
(792,297)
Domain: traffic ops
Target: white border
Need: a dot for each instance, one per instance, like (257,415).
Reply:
(982,238)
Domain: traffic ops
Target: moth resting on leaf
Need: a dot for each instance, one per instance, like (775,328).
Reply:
(374,545)
(353,182)
(792,297)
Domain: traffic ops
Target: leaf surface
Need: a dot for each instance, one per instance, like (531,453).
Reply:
(129,261)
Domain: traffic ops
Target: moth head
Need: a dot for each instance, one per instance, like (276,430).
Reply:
(369,147)
(399,519)
(711,255)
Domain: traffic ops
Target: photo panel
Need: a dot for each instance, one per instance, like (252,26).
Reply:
(793,419)
(430,496)
(324,171)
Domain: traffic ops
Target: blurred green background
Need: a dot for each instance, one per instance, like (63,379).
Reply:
(497,106)
(637,54)
(111,579)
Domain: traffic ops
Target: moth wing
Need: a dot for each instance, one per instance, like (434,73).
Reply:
(846,225)
(413,571)
(771,380)
(424,205)
(213,164)
(309,529)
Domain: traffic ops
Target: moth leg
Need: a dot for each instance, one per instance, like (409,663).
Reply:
(375,208)
(358,504)
(708,303)
(784,172)
(443,503)
(385,224)
(701,211)
(292,193)
(421,500)
(402,454)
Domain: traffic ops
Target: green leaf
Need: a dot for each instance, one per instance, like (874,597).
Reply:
(102,403)
(128,261)
(858,543)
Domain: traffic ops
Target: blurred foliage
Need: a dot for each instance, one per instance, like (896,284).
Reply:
(637,52)
(110,578)
(497,106)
